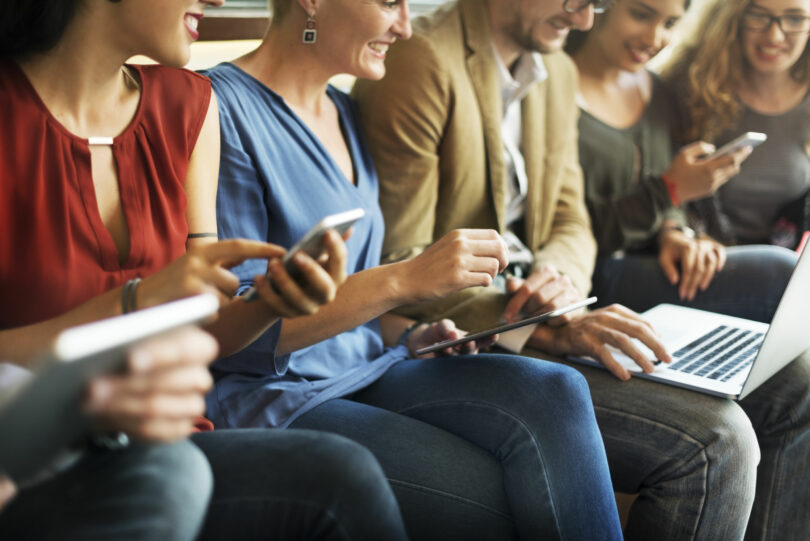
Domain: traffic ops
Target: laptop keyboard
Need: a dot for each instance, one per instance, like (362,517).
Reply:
(720,354)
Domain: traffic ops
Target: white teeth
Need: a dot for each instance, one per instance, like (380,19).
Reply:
(378,47)
(192,22)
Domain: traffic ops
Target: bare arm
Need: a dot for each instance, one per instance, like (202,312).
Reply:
(462,258)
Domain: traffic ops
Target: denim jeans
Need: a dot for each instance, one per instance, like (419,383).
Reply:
(749,286)
(296,484)
(140,493)
(483,447)
(701,464)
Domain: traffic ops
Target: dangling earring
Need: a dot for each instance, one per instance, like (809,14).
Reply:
(310,32)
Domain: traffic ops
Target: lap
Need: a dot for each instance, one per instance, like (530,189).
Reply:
(749,286)
(444,484)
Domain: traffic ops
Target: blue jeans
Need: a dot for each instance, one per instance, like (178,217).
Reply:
(296,484)
(749,286)
(140,493)
(483,447)
(703,465)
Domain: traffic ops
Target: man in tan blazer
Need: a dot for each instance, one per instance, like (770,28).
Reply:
(474,125)
(435,126)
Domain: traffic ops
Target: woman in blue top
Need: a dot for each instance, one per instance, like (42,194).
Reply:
(475,446)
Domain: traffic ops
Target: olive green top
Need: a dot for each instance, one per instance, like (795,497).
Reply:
(626,197)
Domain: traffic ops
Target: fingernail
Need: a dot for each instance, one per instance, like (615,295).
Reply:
(7,490)
(140,361)
(100,391)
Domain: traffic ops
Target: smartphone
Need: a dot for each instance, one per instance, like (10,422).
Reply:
(748,139)
(312,243)
(539,318)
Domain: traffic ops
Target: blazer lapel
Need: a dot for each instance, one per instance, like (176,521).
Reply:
(533,116)
(484,77)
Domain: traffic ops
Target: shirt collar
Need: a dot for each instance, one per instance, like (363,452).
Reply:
(529,69)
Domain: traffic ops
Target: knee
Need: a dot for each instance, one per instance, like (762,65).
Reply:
(732,451)
(182,484)
(350,469)
(766,264)
(566,385)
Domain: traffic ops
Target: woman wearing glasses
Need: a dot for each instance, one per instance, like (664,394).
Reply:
(748,69)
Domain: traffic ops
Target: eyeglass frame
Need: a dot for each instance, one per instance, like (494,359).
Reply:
(773,19)
(597,8)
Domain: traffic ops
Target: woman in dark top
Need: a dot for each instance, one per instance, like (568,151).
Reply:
(636,178)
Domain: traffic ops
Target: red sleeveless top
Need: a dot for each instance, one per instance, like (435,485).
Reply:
(55,252)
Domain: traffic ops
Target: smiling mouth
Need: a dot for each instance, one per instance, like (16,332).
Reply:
(192,21)
(380,48)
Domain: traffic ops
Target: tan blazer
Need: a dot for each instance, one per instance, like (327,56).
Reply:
(433,125)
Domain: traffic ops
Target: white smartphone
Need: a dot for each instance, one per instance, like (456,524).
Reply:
(312,242)
(748,139)
(539,318)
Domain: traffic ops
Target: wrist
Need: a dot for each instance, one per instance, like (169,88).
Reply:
(672,190)
(397,283)
(683,229)
(408,334)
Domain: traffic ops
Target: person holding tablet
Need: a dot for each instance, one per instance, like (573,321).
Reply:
(108,205)
(746,67)
(475,446)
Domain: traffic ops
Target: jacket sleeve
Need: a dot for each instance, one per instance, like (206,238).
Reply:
(403,117)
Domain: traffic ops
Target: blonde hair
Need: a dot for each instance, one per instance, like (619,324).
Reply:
(709,67)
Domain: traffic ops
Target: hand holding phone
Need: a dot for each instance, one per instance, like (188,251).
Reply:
(312,243)
(748,139)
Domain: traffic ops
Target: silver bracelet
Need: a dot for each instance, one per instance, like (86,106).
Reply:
(128,296)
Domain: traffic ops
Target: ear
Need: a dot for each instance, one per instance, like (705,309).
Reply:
(310,7)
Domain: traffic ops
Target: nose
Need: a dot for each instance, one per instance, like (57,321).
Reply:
(774,31)
(215,3)
(659,37)
(582,19)
(402,26)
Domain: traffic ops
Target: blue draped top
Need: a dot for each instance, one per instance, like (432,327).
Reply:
(276,180)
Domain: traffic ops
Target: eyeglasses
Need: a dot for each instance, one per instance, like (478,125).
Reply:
(575,6)
(788,24)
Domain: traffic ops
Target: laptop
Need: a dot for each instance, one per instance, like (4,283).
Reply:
(723,355)
(43,416)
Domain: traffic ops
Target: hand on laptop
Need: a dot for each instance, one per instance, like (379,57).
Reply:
(699,260)
(545,289)
(7,491)
(428,334)
(589,335)
(161,394)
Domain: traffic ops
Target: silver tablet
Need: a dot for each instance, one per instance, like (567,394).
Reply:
(44,416)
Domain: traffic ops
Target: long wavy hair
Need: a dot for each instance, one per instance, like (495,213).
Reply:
(709,67)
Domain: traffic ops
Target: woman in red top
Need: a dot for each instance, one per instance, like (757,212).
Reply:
(107,203)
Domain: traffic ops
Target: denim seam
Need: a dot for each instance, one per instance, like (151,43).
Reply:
(688,437)
(535,444)
(428,490)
